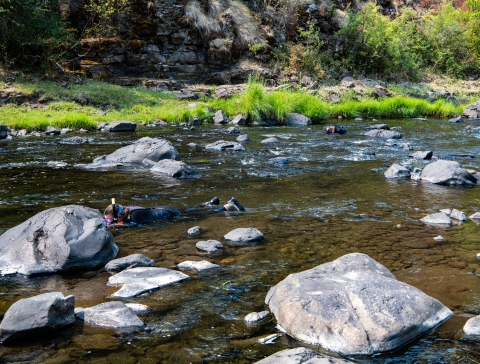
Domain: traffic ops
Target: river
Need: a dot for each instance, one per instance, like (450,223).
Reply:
(332,199)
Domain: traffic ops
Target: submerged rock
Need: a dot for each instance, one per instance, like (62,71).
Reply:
(447,172)
(301,356)
(37,315)
(243,138)
(458,215)
(115,315)
(75,140)
(57,164)
(194,231)
(130,261)
(353,306)
(172,168)
(224,146)
(139,280)
(57,240)
(154,149)
(397,171)
(271,140)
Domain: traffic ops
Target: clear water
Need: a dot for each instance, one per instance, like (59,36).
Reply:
(332,199)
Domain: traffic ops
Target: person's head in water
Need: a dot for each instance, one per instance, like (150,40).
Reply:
(114,214)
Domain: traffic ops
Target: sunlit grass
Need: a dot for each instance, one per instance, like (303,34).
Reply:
(110,102)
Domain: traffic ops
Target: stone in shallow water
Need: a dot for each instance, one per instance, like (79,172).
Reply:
(194,231)
(130,261)
(37,315)
(114,315)
(224,146)
(243,138)
(271,140)
(244,235)
(472,326)
(138,308)
(397,171)
(301,356)
(139,280)
(447,172)
(172,168)
(256,317)
(439,218)
(209,246)
(353,306)
(384,134)
(197,266)
(458,215)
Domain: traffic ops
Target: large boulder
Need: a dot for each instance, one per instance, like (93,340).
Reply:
(224,146)
(472,111)
(295,119)
(154,149)
(37,315)
(301,356)
(115,315)
(446,172)
(385,134)
(57,240)
(143,279)
(173,168)
(353,306)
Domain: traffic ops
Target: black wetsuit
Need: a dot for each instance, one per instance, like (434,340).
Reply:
(141,215)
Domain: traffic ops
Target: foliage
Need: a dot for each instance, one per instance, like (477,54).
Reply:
(31,30)
(106,17)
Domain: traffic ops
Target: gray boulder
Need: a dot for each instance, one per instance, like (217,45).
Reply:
(439,218)
(472,326)
(353,306)
(154,149)
(138,308)
(173,168)
(57,240)
(130,261)
(121,125)
(295,119)
(397,171)
(256,317)
(232,130)
(143,279)
(209,246)
(37,315)
(458,215)
(51,131)
(245,235)
(472,111)
(379,127)
(220,118)
(197,266)
(224,146)
(301,356)
(424,154)
(243,138)
(446,172)
(457,119)
(239,120)
(385,134)
(115,315)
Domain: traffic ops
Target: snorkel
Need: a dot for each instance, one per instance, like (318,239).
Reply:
(112,217)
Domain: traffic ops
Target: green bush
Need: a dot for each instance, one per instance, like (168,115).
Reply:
(32,31)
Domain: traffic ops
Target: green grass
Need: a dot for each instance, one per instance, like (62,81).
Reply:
(110,102)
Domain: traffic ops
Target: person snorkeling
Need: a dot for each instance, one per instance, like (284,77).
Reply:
(116,214)
(335,129)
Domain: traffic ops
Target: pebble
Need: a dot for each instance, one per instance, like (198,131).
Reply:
(440,238)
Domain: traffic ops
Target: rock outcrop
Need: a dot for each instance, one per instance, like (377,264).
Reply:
(37,315)
(57,240)
(353,306)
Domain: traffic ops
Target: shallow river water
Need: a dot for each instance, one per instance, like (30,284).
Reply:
(332,199)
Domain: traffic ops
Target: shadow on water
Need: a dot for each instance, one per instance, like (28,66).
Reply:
(329,200)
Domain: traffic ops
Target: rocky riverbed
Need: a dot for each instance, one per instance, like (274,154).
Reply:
(328,197)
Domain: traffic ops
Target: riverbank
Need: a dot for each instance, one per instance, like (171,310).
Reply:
(32,103)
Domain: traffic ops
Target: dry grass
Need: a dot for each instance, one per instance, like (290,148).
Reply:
(246,30)
(206,25)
